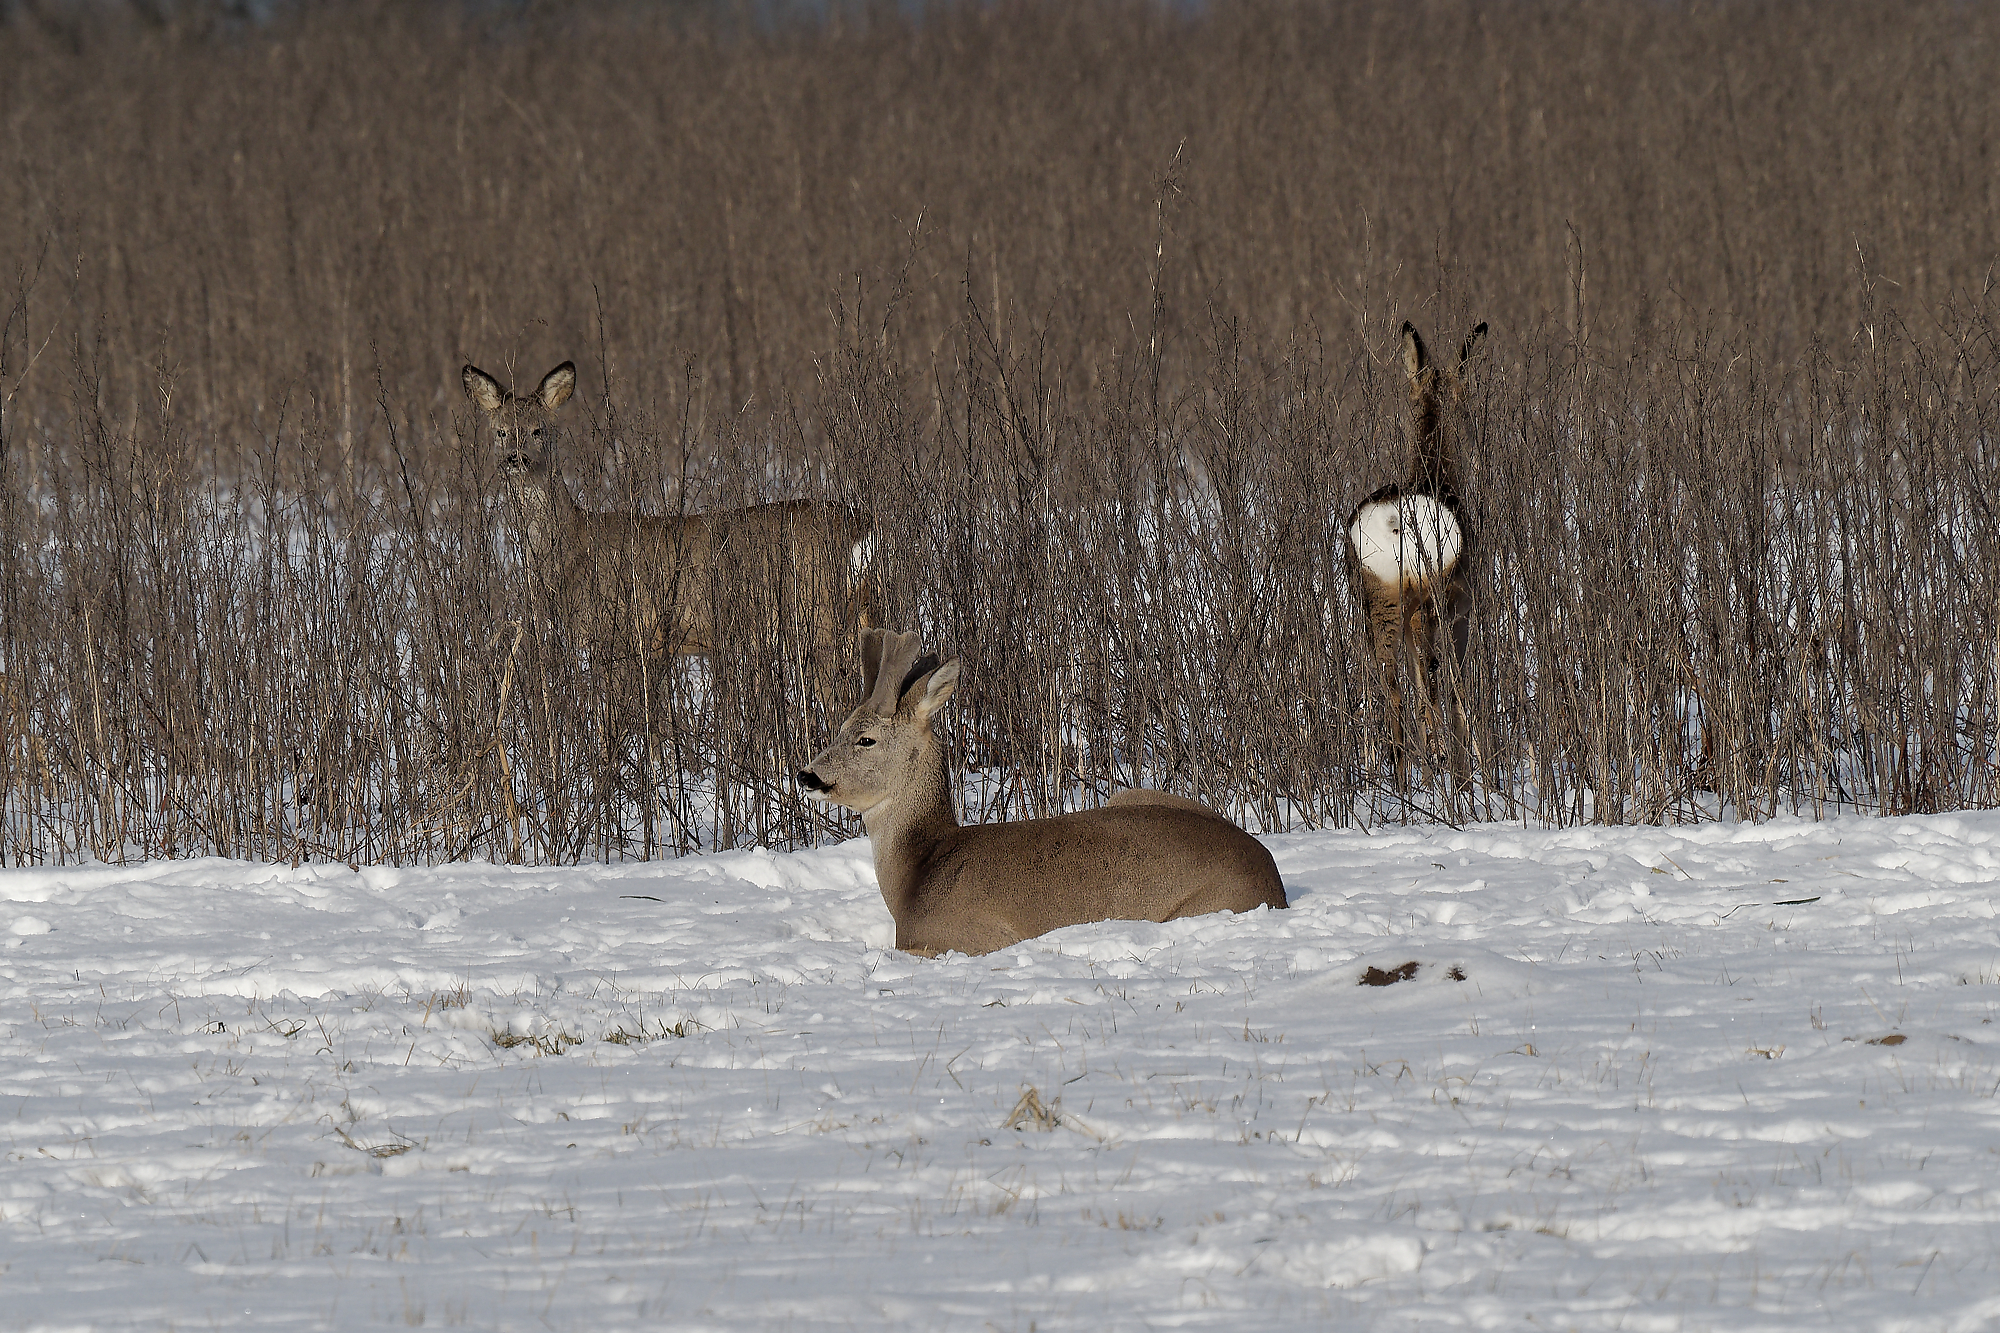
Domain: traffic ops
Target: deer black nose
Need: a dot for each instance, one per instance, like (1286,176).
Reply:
(514,463)
(811,781)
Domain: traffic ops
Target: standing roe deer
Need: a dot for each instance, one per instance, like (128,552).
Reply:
(647,578)
(1412,543)
(1144,856)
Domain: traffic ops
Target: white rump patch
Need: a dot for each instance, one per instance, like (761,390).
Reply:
(1410,537)
(862,554)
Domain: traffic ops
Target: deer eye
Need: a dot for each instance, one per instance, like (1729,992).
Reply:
(863,742)
(536,432)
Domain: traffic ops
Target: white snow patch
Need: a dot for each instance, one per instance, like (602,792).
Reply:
(1705,1077)
(1348,1261)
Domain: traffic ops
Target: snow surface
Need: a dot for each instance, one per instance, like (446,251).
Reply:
(1667,1094)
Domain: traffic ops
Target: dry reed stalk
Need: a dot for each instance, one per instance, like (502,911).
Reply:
(1093,307)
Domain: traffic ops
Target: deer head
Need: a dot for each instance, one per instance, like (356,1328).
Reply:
(521,427)
(886,751)
(1437,393)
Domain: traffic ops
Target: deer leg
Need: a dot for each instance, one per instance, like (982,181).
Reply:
(1385,641)
(1392,703)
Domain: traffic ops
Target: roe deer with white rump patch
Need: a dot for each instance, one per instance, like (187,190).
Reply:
(646,578)
(1144,856)
(1412,545)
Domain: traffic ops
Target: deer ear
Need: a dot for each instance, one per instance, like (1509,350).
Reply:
(1473,342)
(1415,355)
(557,386)
(482,388)
(928,695)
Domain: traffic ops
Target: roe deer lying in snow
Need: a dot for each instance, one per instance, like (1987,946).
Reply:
(626,577)
(1145,856)
(1412,544)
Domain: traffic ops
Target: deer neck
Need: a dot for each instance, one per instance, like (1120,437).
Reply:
(908,829)
(547,508)
(1433,469)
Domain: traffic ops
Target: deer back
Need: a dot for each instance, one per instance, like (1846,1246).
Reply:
(802,563)
(666,581)
(991,885)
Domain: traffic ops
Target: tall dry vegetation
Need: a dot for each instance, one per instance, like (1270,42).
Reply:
(1093,306)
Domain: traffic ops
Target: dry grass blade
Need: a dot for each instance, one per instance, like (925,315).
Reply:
(1030,1113)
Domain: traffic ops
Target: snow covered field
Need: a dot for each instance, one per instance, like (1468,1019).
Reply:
(1667,1094)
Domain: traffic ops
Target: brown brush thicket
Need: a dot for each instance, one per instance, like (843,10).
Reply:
(1093,307)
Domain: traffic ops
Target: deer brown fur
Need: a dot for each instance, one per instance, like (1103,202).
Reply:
(646,580)
(1144,856)
(1411,545)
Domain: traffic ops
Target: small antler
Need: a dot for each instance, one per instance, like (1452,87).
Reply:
(899,662)
(871,661)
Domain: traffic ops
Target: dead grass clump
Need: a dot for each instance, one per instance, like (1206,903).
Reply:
(680,1029)
(1030,1112)
(1378,976)
(545,1043)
